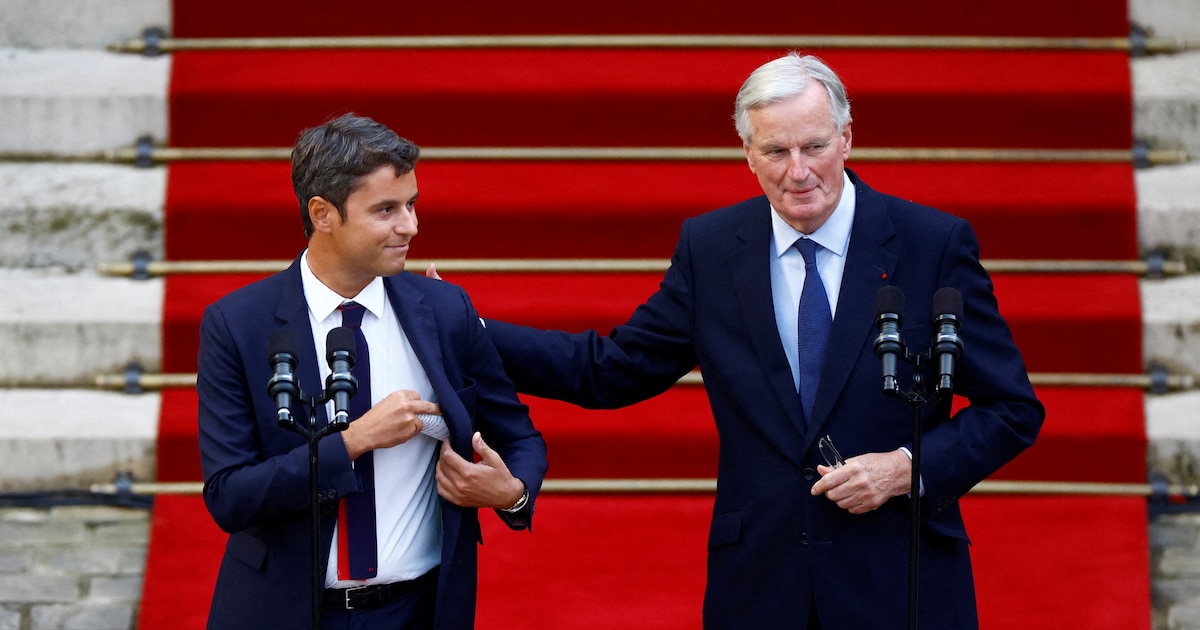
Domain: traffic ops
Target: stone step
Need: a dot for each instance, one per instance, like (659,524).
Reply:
(61,329)
(65,438)
(72,216)
(79,101)
(77,24)
(1167,101)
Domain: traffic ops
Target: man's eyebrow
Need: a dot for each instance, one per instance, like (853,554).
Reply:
(394,202)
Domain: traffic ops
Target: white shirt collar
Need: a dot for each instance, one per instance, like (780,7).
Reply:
(834,235)
(323,301)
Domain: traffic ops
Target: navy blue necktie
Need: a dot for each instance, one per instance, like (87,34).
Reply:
(356,540)
(812,327)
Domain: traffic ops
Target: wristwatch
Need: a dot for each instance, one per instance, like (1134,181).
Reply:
(520,504)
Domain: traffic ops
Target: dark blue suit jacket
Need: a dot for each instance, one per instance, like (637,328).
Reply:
(256,473)
(774,548)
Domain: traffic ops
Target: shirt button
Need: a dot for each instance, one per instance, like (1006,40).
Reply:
(809,474)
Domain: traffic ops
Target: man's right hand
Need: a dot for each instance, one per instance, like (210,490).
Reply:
(390,422)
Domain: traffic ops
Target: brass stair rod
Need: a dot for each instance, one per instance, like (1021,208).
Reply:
(160,155)
(1171,382)
(150,156)
(705,486)
(157,44)
(608,265)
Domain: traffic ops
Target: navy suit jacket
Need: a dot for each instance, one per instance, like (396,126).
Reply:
(773,548)
(256,473)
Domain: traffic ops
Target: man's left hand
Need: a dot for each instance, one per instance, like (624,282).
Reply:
(486,483)
(865,482)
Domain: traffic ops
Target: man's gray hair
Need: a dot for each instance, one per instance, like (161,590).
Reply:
(782,79)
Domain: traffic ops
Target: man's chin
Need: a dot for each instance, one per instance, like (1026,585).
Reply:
(392,269)
(804,217)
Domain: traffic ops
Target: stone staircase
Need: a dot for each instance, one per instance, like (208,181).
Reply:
(63,97)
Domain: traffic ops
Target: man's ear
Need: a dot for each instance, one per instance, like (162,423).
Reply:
(321,213)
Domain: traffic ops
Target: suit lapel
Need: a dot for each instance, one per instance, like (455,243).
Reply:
(292,315)
(750,267)
(419,325)
(869,266)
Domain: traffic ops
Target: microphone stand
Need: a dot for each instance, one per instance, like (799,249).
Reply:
(313,435)
(915,396)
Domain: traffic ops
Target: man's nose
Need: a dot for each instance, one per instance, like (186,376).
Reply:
(797,165)
(406,223)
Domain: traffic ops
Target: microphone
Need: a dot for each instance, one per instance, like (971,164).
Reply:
(947,347)
(341,385)
(889,309)
(282,386)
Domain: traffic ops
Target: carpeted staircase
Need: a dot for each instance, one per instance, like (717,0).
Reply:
(636,560)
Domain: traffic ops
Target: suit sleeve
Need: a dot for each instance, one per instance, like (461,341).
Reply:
(249,479)
(637,360)
(502,419)
(1003,416)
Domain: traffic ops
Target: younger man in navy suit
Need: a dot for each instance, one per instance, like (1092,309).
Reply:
(425,354)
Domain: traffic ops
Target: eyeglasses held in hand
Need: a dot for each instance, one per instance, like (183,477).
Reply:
(833,458)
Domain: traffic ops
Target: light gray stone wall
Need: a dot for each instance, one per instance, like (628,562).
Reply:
(71,24)
(71,568)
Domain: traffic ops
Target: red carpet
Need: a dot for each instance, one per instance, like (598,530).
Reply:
(1044,18)
(1090,435)
(1052,338)
(602,562)
(633,97)
(585,209)
(637,561)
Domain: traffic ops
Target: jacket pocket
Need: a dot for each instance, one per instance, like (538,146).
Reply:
(247,549)
(726,529)
(467,395)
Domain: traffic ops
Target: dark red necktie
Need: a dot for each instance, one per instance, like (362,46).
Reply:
(356,514)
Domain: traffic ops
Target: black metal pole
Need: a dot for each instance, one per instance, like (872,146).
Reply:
(314,517)
(914,542)
(313,436)
(915,397)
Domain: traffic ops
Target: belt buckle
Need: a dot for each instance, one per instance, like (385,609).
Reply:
(352,590)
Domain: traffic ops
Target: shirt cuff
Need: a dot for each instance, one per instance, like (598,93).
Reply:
(920,480)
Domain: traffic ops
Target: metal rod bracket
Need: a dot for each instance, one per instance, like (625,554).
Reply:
(152,37)
(133,378)
(141,265)
(145,152)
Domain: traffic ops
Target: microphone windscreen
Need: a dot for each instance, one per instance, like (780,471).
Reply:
(282,341)
(339,339)
(948,301)
(889,299)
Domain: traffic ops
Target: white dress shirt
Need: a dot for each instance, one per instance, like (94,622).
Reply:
(787,268)
(407,513)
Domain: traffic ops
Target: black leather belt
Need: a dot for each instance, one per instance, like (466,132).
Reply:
(376,595)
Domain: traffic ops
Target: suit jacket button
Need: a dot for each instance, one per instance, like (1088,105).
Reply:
(804,539)
(809,474)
